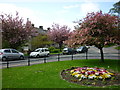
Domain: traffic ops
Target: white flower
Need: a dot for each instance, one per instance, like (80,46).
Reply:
(77,75)
(86,73)
(77,71)
(96,73)
(100,77)
(91,76)
(108,75)
(103,72)
(83,77)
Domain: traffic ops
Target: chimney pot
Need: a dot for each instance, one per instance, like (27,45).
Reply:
(41,27)
(48,28)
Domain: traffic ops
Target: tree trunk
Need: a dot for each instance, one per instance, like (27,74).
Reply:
(60,46)
(102,54)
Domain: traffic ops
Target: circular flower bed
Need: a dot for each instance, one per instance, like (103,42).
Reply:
(91,76)
(91,73)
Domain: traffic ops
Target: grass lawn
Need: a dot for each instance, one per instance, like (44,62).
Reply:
(48,75)
(55,53)
(118,48)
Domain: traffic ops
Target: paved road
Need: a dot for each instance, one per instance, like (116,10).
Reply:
(105,50)
(93,53)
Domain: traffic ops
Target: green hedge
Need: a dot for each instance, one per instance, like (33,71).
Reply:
(118,48)
(54,50)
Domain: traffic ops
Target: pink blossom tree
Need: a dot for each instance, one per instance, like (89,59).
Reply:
(96,29)
(59,34)
(15,32)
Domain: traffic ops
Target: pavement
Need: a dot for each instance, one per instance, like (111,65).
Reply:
(111,50)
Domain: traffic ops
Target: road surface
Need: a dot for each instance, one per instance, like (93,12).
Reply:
(93,53)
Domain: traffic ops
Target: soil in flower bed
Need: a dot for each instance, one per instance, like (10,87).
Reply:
(115,80)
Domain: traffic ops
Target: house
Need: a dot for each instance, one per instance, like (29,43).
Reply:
(36,31)
(41,30)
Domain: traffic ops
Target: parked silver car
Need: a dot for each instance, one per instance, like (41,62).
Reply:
(10,54)
(69,51)
(82,49)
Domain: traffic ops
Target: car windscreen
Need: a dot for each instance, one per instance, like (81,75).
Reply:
(65,49)
(81,47)
(36,50)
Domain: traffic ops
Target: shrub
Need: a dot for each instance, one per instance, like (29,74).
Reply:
(51,48)
(54,50)
(118,48)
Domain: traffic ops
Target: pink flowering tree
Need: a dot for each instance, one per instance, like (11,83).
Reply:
(96,29)
(15,32)
(59,34)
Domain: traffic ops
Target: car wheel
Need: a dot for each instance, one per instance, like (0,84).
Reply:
(4,59)
(38,56)
(21,57)
(48,55)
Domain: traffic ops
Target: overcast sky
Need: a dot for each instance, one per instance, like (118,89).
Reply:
(46,12)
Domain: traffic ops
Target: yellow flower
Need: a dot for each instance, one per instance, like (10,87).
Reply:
(105,75)
(71,71)
(78,75)
(93,83)
(111,73)
(95,70)
(74,73)
(97,77)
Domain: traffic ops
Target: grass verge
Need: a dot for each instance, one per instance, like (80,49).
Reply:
(118,48)
(48,75)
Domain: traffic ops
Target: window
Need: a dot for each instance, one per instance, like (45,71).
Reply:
(7,51)
(36,50)
(46,50)
(42,50)
(14,51)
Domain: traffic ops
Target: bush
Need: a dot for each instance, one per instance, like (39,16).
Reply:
(118,48)
(51,48)
(54,50)
(110,45)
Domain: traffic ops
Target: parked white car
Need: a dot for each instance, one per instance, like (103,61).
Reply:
(9,54)
(40,52)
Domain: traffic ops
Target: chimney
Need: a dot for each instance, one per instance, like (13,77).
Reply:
(41,27)
(33,25)
(48,28)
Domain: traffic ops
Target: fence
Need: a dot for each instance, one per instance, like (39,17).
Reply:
(58,57)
